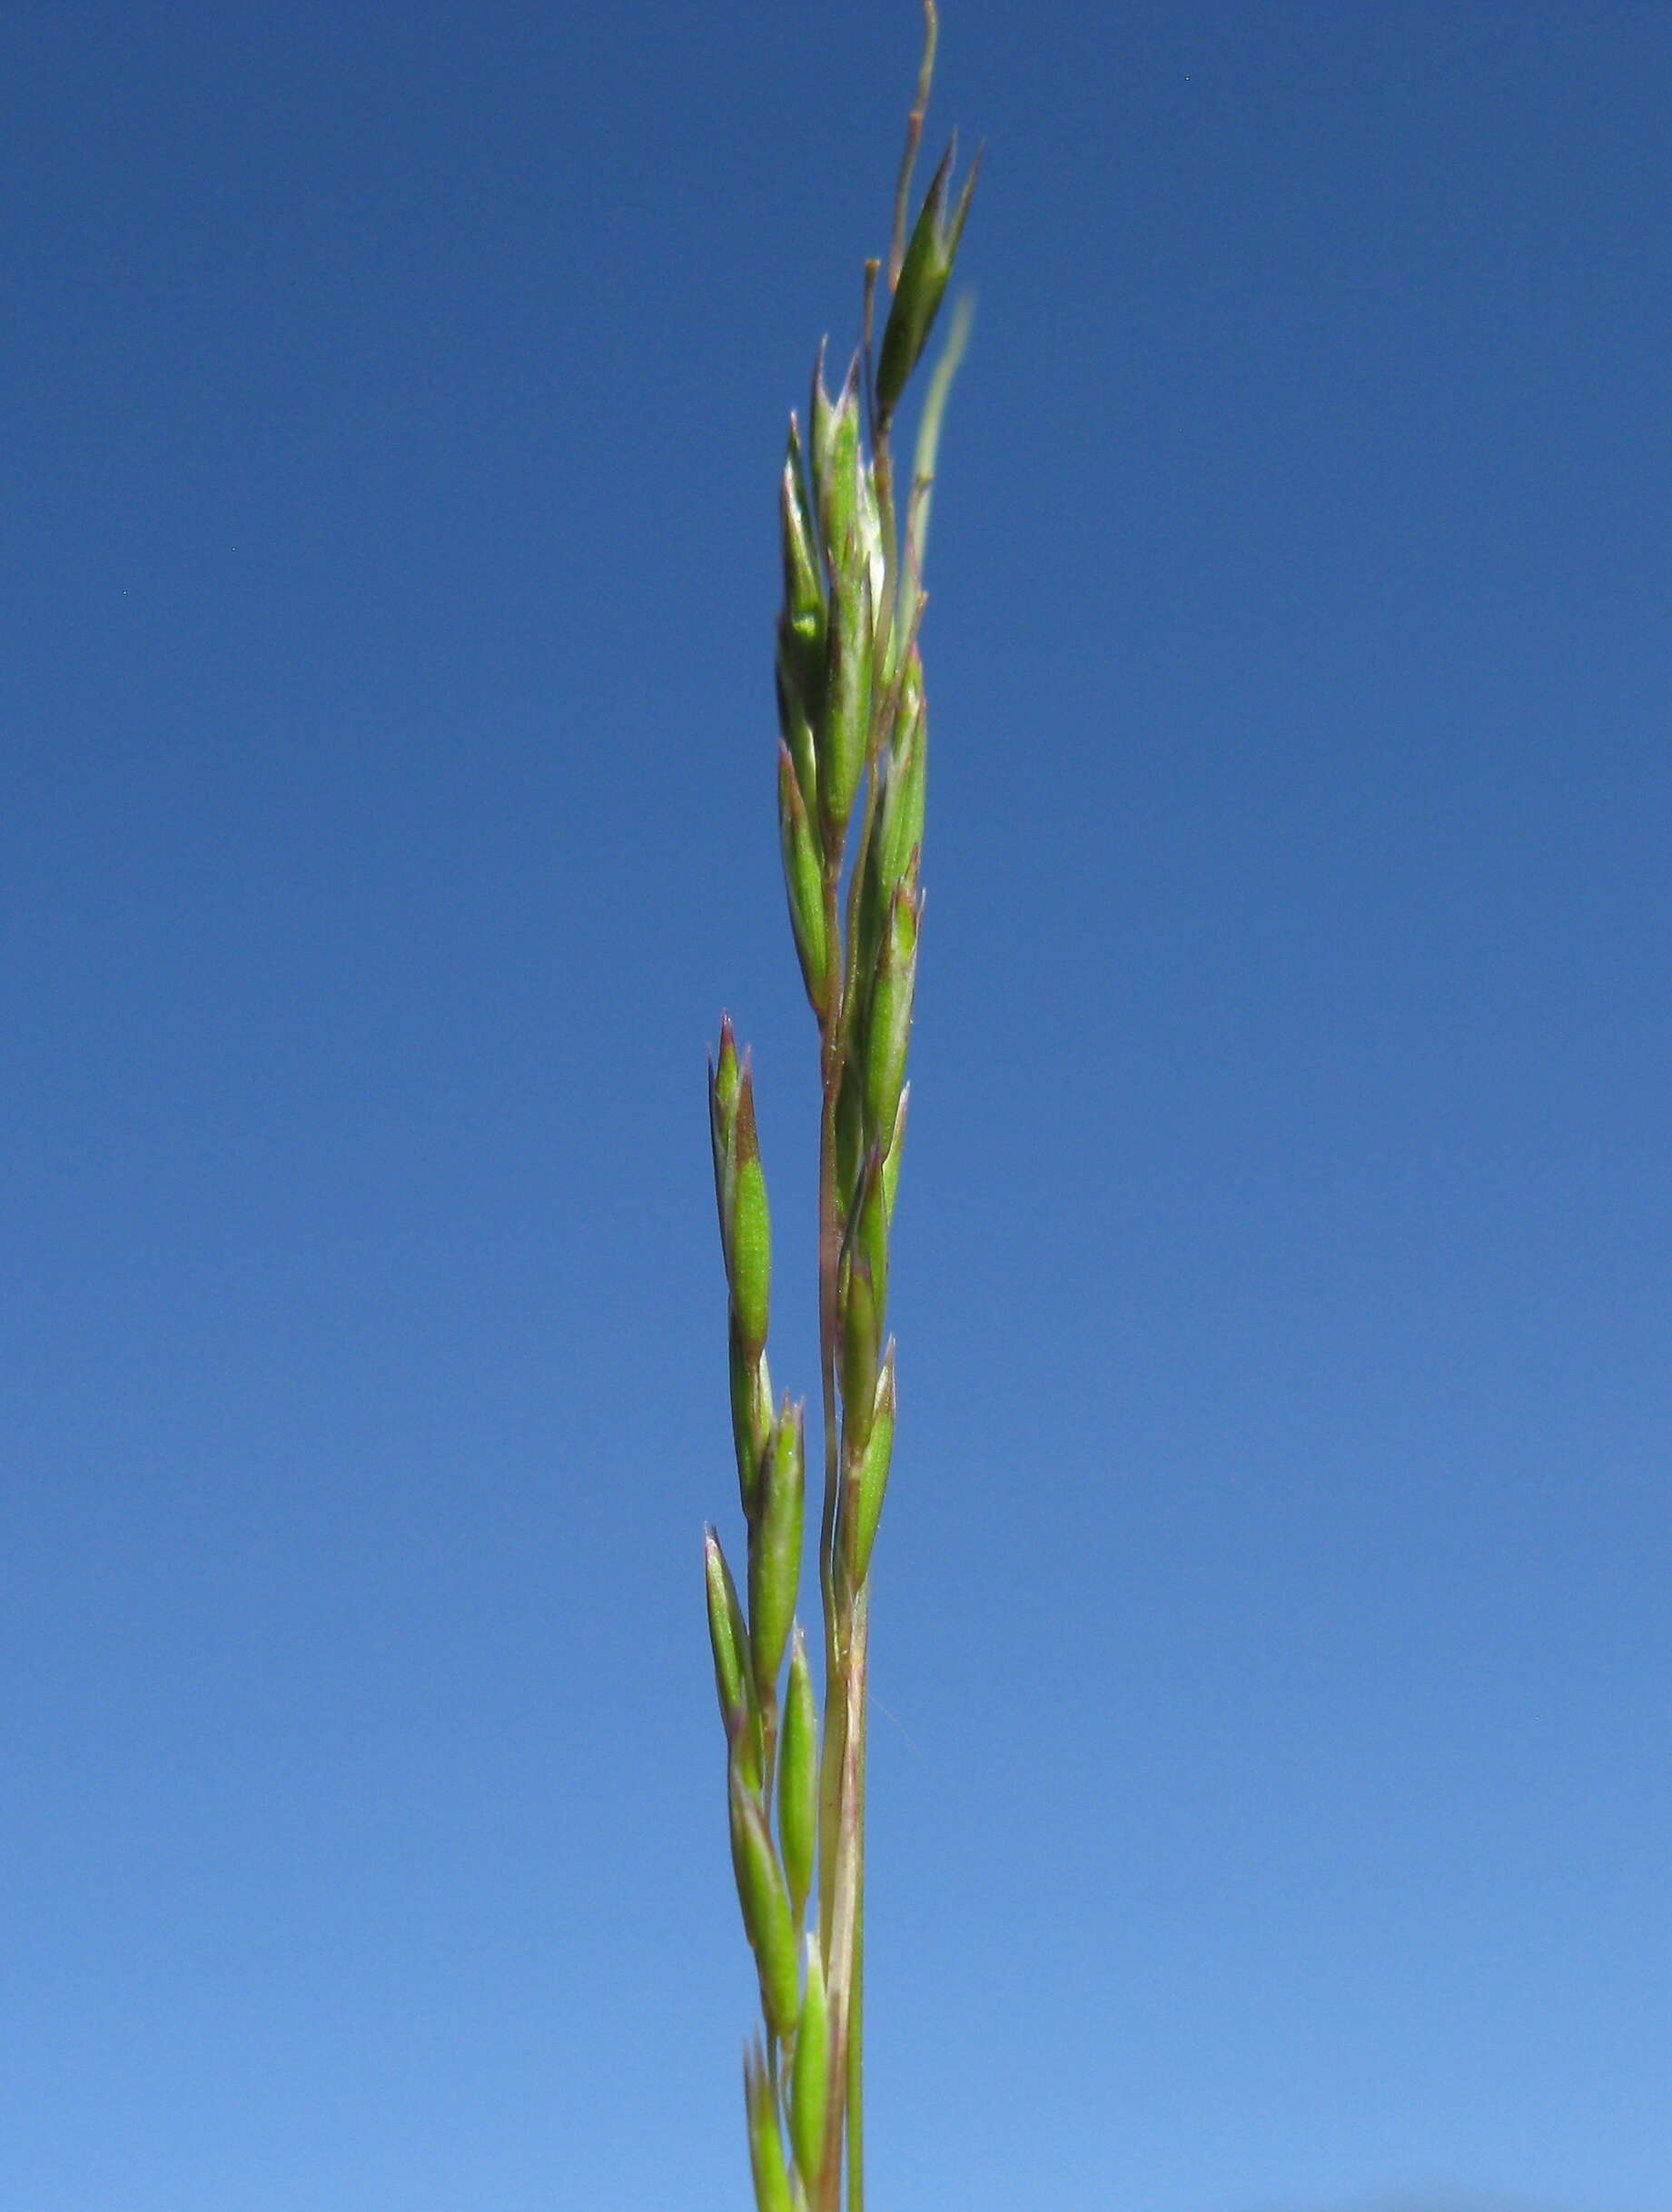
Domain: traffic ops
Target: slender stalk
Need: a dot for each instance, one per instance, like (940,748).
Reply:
(854,2078)
(855,2038)
(843,1989)
(830,1231)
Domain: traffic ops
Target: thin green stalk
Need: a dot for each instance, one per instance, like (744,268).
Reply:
(843,1989)
(853,2078)
(856,2037)
(830,1231)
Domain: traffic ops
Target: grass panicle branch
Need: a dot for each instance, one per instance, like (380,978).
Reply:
(852,765)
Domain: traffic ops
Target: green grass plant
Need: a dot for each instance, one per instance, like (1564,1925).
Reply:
(852,764)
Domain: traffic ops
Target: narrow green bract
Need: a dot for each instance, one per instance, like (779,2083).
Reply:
(772,2190)
(801,696)
(874,1472)
(775,1550)
(896,1149)
(889,1028)
(729,1638)
(804,582)
(848,706)
(798,1778)
(873,1226)
(767,1917)
(810,2080)
(900,832)
(922,282)
(804,879)
(862,1337)
(751,1417)
(836,461)
(851,771)
(750,1240)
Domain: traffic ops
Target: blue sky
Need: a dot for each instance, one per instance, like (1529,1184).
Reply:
(1269,1799)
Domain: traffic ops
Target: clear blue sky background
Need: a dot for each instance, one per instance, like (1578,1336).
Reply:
(1271,1804)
